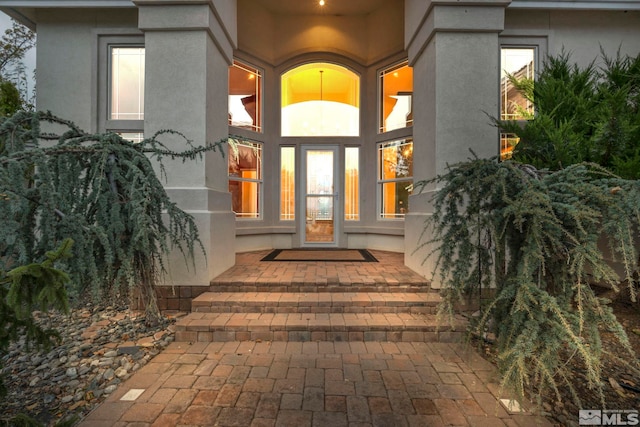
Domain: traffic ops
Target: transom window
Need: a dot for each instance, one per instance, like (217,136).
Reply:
(395,177)
(320,99)
(396,97)
(245,178)
(245,96)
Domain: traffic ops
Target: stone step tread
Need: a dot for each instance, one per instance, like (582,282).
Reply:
(339,322)
(283,299)
(311,287)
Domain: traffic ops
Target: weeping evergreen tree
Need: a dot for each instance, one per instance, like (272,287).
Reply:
(533,237)
(99,190)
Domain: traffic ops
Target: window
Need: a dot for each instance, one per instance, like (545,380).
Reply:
(287,183)
(395,177)
(245,178)
(320,99)
(121,85)
(245,96)
(516,62)
(132,136)
(396,93)
(127,83)
(352,183)
(126,90)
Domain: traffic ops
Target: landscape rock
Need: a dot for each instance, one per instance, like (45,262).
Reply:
(96,353)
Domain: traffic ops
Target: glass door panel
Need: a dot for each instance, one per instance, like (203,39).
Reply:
(319,199)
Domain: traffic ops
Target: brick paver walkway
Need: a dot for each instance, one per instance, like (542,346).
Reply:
(297,384)
(281,276)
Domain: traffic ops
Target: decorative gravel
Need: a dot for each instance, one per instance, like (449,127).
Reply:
(100,348)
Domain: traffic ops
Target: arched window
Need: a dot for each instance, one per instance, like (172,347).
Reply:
(320,99)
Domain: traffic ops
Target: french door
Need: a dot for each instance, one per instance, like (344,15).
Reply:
(320,203)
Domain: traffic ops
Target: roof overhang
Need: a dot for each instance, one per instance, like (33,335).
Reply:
(23,10)
(65,3)
(576,4)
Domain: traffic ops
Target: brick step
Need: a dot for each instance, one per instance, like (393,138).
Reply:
(316,302)
(264,285)
(210,327)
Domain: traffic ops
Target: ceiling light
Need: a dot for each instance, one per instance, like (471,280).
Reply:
(321,3)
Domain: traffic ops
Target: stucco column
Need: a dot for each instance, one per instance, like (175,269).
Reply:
(455,54)
(188,48)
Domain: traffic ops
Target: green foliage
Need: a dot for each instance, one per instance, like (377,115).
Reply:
(589,114)
(14,87)
(100,190)
(534,238)
(10,101)
(29,287)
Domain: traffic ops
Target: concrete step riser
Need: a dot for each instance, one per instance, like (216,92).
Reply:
(430,309)
(306,335)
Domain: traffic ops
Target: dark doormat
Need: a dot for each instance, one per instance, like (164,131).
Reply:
(330,255)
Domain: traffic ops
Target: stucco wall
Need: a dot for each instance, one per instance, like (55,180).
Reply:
(580,33)
(65,65)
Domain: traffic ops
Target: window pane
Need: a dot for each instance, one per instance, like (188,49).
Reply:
(132,136)
(320,99)
(319,172)
(245,96)
(396,93)
(518,63)
(352,183)
(245,157)
(245,178)
(508,142)
(395,173)
(245,198)
(395,199)
(287,183)
(127,83)
(395,160)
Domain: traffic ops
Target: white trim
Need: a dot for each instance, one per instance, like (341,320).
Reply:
(576,5)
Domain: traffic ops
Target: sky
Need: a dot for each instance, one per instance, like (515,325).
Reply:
(30,57)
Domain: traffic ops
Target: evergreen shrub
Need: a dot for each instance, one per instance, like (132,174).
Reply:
(101,191)
(533,237)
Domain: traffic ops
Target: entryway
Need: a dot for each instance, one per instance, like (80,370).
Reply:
(320,202)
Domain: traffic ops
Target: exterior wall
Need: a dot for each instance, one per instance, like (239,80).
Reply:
(450,79)
(188,51)
(453,47)
(455,54)
(187,67)
(579,32)
(66,62)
